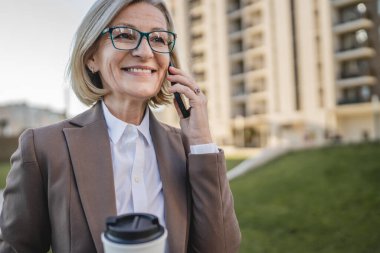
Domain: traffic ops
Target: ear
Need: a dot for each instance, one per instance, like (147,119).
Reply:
(92,65)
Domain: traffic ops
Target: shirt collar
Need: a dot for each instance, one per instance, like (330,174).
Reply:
(116,126)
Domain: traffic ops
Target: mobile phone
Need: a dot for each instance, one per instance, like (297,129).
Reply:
(185,112)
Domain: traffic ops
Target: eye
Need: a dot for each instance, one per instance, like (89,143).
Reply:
(123,34)
(158,38)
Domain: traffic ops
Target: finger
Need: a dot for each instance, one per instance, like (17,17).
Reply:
(175,71)
(184,80)
(185,90)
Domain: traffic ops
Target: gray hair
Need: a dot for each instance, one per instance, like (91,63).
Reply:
(88,86)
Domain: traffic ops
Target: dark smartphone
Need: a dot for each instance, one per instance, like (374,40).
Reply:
(185,112)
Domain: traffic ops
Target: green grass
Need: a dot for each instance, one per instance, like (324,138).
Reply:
(4,169)
(324,200)
(232,162)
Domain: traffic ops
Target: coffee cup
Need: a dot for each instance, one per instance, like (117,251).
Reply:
(134,233)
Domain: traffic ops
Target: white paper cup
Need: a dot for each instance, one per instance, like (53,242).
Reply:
(156,246)
(134,233)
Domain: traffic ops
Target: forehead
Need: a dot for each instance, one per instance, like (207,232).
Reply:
(142,15)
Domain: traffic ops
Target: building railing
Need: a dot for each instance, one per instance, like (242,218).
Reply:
(352,13)
(356,100)
(233,6)
(235,26)
(194,3)
(352,74)
(236,47)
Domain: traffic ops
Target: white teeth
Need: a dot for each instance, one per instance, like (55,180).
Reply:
(139,70)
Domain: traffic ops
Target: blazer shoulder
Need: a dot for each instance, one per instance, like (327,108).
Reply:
(50,130)
(35,138)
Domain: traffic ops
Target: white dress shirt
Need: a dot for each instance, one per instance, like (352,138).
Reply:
(138,186)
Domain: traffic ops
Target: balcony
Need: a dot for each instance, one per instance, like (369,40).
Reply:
(235,26)
(199,76)
(342,3)
(354,46)
(236,47)
(239,98)
(237,68)
(197,22)
(353,26)
(256,86)
(198,58)
(197,9)
(239,110)
(356,69)
(255,18)
(254,65)
(364,52)
(354,81)
(258,111)
(259,96)
(194,3)
(233,6)
(249,2)
(353,12)
(239,89)
(354,40)
(356,95)
(356,100)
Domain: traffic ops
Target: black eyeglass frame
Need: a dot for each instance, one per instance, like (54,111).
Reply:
(142,35)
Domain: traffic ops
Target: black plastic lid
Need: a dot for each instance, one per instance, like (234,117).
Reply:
(133,228)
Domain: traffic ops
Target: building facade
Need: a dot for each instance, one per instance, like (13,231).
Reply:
(15,118)
(284,71)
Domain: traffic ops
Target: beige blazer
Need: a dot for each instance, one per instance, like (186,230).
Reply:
(60,191)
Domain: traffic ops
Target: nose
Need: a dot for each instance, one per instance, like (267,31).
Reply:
(143,50)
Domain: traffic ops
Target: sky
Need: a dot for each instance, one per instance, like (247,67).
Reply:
(35,43)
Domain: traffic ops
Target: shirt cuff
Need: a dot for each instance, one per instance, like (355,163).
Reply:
(208,148)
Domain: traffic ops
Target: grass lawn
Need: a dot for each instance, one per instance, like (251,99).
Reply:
(232,162)
(324,200)
(4,168)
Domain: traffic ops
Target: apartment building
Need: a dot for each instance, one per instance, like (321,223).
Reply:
(284,71)
(356,33)
(15,118)
(202,45)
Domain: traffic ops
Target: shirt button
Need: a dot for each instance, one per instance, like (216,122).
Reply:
(137,179)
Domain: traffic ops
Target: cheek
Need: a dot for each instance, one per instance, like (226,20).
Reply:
(164,65)
(109,66)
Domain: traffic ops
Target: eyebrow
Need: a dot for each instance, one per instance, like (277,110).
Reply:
(134,27)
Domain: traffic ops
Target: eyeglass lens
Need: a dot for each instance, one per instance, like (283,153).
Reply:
(126,38)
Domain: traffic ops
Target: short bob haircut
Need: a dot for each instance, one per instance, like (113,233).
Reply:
(88,86)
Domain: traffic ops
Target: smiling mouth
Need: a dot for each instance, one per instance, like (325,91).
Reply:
(139,70)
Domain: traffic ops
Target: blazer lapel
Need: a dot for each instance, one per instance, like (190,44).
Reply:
(92,164)
(171,161)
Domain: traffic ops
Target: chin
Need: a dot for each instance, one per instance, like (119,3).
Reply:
(144,94)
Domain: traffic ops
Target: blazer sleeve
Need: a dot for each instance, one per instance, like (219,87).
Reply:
(24,219)
(214,226)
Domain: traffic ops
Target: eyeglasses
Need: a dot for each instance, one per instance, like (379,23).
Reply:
(126,38)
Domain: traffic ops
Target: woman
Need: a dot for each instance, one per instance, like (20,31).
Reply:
(115,158)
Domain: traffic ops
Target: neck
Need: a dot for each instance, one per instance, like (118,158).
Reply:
(131,112)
